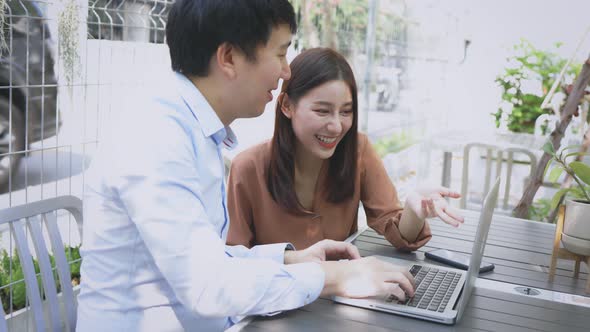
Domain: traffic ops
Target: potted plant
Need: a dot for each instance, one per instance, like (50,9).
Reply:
(576,227)
(528,76)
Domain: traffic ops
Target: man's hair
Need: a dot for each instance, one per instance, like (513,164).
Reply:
(196,28)
(309,70)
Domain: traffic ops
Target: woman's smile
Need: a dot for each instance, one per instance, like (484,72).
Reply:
(327,142)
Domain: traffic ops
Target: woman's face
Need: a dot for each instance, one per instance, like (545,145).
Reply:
(321,118)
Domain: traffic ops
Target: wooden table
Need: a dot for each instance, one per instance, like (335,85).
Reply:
(521,252)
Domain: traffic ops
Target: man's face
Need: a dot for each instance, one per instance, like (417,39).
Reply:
(257,79)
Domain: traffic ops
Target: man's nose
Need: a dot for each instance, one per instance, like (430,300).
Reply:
(286,72)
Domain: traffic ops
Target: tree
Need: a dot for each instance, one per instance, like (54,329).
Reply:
(571,106)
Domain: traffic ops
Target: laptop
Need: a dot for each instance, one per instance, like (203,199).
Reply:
(442,293)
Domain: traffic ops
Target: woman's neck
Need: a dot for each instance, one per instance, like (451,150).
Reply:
(306,164)
(307,170)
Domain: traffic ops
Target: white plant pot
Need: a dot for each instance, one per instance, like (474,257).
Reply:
(576,227)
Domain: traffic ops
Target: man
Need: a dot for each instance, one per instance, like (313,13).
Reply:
(155,224)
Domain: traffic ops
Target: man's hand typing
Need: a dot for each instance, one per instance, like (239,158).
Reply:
(324,250)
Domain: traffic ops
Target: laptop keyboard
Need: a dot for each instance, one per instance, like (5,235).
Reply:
(434,288)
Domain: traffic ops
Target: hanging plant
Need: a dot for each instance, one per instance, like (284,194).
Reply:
(529,74)
(68,31)
(3,10)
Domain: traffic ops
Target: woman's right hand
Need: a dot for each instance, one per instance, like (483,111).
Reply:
(367,277)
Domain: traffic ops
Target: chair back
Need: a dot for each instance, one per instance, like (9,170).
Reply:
(31,218)
(497,155)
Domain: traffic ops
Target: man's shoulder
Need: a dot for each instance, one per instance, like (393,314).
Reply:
(153,111)
(147,123)
(156,95)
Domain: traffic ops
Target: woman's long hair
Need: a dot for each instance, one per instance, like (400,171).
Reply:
(309,70)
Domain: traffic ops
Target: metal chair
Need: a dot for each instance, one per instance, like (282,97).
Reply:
(33,216)
(499,159)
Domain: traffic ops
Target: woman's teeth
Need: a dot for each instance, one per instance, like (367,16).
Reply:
(325,139)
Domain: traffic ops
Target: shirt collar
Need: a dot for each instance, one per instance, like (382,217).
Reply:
(210,123)
(226,137)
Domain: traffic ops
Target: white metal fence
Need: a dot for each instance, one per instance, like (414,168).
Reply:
(65,66)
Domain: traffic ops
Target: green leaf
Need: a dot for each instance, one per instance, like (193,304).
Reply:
(539,210)
(576,154)
(571,147)
(547,169)
(577,192)
(557,197)
(555,174)
(548,147)
(581,170)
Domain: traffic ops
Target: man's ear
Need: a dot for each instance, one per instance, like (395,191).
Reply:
(225,59)
(286,105)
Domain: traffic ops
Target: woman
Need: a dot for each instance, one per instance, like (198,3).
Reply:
(306,183)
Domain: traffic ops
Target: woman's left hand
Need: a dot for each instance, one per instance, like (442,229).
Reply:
(431,202)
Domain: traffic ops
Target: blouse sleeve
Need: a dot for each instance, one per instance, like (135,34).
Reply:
(241,226)
(381,202)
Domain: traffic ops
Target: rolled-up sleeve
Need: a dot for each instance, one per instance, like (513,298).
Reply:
(381,202)
(160,191)
(275,251)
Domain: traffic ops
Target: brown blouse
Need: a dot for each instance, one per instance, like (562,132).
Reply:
(255,218)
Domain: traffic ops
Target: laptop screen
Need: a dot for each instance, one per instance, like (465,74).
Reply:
(479,244)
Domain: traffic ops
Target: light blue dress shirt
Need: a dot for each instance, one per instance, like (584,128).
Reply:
(155,225)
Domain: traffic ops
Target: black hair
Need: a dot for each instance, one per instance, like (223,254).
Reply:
(196,28)
(309,70)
